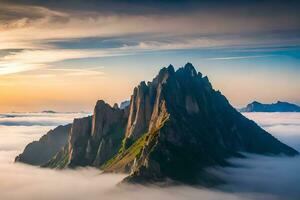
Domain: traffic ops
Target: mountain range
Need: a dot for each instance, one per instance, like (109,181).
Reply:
(174,127)
(279,106)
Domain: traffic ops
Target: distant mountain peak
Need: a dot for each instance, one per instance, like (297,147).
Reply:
(124,104)
(49,111)
(255,102)
(279,106)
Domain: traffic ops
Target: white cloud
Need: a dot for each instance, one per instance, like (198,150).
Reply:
(257,178)
(38,119)
(34,28)
(26,60)
(276,177)
(284,126)
(238,57)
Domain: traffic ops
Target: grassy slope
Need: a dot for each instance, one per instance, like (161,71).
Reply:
(127,156)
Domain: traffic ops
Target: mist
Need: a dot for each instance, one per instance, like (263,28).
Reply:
(284,126)
(38,119)
(257,177)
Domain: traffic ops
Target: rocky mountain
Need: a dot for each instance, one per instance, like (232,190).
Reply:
(175,126)
(95,139)
(279,106)
(49,111)
(124,104)
(40,152)
(178,125)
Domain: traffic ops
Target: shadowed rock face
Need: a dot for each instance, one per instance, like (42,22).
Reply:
(124,104)
(95,139)
(40,152)
(175,126)
(279,106)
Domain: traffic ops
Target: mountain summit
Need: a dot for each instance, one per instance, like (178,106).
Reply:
(175,126)
(279,106)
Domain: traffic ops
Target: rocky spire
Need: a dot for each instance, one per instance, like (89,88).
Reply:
(192,126)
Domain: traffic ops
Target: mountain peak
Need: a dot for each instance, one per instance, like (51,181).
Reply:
(175,127)
(171,68)
(282,102)
(279,106)
(164,73)
(172,126)
(100,103)
(255,102)
(190,69)
(116,106)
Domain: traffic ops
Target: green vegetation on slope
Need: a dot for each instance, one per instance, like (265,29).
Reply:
(125,157)
(60,160)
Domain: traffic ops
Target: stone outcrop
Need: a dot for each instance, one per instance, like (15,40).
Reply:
(124,104)
(93,140)
(40,152)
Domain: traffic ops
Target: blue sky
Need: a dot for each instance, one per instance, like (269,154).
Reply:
(250,50)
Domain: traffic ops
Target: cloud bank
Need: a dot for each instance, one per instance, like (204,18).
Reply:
(284,126)
(38,119)
(256,178)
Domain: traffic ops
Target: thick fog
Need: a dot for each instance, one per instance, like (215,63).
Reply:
(259,177)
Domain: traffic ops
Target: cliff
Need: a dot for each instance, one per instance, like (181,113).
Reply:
(95,139)
(40,152)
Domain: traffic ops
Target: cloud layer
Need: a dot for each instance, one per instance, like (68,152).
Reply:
(284,126)
(256,178)
(38,119)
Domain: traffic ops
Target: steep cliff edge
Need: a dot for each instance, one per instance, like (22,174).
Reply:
(40,152)
(93,140)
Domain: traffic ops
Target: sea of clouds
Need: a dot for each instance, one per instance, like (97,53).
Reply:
(258,177)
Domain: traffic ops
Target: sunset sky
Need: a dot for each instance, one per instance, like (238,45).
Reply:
(64,55)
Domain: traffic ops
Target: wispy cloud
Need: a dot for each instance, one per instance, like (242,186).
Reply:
(31,59)
(78,72)
(34,29)
(239,57)
(35,59)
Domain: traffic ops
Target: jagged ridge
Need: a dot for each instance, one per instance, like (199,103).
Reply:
(175,126)
(178,125)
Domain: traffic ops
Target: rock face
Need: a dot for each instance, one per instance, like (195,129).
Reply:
(95,139)
(40,152)
(279,106)
(124,104)
(178,125)
(175,126)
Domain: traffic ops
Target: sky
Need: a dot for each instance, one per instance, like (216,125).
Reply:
(64,55)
